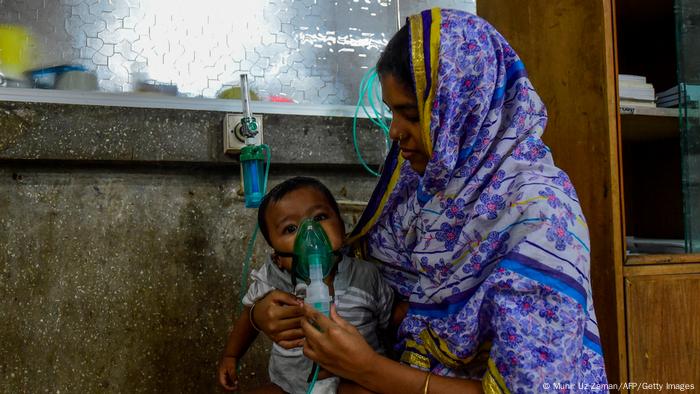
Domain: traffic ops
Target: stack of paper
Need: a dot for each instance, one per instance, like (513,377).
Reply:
(654,246)
(669,98)
(634,90)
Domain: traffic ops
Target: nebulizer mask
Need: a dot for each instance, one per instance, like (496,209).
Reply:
(312,261)
(313,258)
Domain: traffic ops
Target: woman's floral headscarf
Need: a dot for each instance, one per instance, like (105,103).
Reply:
(492,233)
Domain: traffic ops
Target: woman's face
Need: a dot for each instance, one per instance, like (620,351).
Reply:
(405,124)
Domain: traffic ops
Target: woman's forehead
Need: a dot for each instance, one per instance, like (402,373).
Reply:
(396,93)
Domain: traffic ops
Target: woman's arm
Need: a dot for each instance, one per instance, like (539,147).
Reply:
(278,315)
(540,334)
(340,348)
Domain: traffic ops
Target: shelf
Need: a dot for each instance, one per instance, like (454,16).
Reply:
(660,269)
(639,110)
(649,259)
(648,123)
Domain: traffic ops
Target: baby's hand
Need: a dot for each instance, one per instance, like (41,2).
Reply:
(228,378)
(323,374)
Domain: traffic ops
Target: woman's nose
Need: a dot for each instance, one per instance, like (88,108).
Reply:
(394,132)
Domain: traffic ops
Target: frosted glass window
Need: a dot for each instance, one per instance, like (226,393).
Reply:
(305,51)
(410,7)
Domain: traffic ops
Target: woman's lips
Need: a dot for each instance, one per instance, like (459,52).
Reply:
(408,153)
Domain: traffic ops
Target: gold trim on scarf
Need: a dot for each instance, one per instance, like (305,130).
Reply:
(434,64)
(415,355)
(415,360)
(431,344)
(492,382)
(425,101)
(418,60)
(438,348)
(389,188)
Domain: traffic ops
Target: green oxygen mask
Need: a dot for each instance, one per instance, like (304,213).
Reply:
(312,252)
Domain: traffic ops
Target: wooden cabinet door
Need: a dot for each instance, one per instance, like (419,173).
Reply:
(663,329)
(567,47)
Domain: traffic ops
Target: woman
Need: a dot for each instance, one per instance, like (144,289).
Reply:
(473,224)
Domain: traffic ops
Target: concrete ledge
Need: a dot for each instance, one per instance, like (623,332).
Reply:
(42,131)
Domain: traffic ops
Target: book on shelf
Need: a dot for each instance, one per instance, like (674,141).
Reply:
(629,78)
(669,98)
(636,103)
(670,103)
(636,88)
(668,92)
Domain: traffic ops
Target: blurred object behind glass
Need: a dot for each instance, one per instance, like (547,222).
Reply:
(16,55)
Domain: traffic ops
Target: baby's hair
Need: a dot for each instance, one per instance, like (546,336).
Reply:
(395,60)
(278,192)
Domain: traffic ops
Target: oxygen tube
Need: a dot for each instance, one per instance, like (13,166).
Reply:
(252,156)
(254,173)
(313,249)
(371,92)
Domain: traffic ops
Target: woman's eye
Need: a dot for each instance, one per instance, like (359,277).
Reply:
(320,217)
(412,117)
(290,229)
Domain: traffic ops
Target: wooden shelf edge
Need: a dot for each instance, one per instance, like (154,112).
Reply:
(626,110)
(652,259)
(660,269)
(664,269)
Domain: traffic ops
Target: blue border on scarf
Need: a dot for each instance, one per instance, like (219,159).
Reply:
(392,159)
(544,274)
(520,264)
(592,342)
(427,16)
(513,73)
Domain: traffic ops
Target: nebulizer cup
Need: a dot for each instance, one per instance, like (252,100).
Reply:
(314,261)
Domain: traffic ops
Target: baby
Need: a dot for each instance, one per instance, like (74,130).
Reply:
(360,295)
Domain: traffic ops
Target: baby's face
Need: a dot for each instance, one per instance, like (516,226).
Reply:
(284,216)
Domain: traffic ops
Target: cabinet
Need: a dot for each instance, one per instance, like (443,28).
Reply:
(626,165)
(650,137)
(664,342)
(662,292)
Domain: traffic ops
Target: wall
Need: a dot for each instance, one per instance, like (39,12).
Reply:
(122,235)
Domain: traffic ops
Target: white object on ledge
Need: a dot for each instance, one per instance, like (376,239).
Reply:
(136,100)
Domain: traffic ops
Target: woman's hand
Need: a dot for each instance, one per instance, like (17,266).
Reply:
(338,347)
(279,316)
(336,344)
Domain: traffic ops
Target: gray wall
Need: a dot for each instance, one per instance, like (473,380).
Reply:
(122,235)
